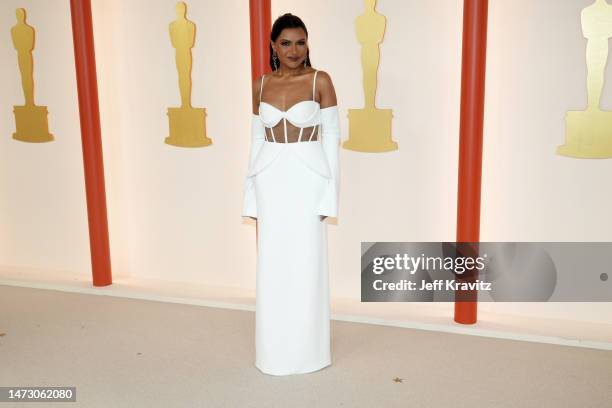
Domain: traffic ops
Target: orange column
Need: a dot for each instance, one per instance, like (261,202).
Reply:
(85,64)
(470,134)
(261,25)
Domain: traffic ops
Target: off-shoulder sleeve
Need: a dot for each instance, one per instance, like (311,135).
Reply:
(258,135)
(330,140)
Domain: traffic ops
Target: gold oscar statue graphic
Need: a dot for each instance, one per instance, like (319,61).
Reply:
(588,134)
(370,128)
(187,124)
(30,120)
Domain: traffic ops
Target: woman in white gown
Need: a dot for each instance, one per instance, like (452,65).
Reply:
(292,185)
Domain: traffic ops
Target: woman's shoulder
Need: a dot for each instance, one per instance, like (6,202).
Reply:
(256,94)
(257,83)
(323,75)
(323,79)
(325,89)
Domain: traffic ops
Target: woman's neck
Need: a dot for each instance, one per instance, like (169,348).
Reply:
(284,71)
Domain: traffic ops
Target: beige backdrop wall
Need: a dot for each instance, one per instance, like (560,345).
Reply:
(174,213)
(43,219)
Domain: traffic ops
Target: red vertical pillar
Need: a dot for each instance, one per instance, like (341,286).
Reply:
(470,134)
(85,63)
(261,25)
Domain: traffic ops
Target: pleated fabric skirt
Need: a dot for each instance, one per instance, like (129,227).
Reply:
(292,334)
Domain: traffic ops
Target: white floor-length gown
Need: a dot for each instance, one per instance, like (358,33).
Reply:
(289,186)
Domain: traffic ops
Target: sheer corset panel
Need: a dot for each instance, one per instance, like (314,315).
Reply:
(300,123)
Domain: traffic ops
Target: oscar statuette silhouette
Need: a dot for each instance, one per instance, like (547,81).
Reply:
(588,133)
(187,124)
(370,127)
(30,120)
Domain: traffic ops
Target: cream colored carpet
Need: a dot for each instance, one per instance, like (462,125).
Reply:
(133,353)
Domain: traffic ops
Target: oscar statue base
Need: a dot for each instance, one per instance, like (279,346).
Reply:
(370,130)
(31,124)
(588,135)
(187,127)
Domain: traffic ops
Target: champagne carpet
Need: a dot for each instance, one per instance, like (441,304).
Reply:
(122,352)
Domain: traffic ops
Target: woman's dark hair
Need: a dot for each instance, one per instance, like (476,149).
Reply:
(287,20)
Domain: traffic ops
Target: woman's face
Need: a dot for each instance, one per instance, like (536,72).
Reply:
(291,47)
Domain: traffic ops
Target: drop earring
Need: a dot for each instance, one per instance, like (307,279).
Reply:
(275,61)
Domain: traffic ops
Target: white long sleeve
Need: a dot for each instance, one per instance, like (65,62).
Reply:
(258,135)
(330,141)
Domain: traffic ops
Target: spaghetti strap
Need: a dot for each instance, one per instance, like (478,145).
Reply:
(314,82)
(261,87)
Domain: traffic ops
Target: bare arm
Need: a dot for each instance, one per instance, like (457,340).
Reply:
(255,93)
(326,91)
